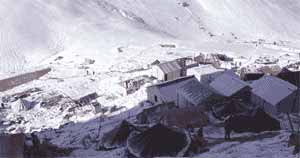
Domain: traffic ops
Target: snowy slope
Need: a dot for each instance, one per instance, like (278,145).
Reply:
(33,30)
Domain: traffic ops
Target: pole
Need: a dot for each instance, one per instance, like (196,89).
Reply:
(290,122)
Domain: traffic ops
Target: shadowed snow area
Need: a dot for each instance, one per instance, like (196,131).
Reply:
(33,30)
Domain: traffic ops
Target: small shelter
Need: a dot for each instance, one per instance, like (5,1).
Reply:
(117,137)
(187,117)
(205,73)
(275,95)
(151,115)
(252,76)
(134,84)
(168,71)
(230,85)
(208,59)
(270,70)
(165,92)
(88,98)
(159,141)
(193,93)
(292,77)
(22,105)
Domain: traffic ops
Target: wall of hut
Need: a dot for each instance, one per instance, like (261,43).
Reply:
(244,94)
(258,101)
(288,104)
(162,76)
(154,95)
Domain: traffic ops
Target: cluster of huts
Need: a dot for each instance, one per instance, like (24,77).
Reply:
(181,97)
(272,88)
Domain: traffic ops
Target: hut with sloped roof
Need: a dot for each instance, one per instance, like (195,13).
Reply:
(290,76)
(230,85)
(275,95)
(205,73)
(165,92)
(168,71)
(193,93)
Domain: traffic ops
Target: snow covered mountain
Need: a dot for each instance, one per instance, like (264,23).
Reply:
(33,30)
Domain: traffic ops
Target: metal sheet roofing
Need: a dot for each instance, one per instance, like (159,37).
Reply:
(194,92)
(170,66)
(228,84)
(272,89)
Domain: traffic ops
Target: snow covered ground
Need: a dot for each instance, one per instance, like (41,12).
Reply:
(124,37)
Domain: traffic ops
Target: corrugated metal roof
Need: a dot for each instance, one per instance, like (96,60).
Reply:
(168,89)
(168,83)
(194,92)
(170,66)
(203,69)
(228,84)
(272,89)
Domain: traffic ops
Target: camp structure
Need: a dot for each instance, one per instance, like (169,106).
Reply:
(132,85)
(230,85)
(22,105)
(252,76)
(151,114)
(165,92)
(275,95)
(205,73)
(158,141)
(183,118)
(193,93)
(270,70)
(117,137)
(290,76)
(87,98)
(167,71)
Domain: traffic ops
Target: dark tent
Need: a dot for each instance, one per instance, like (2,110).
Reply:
(185,117)
(117,137)
(292,77)
(158,141)
(252,76)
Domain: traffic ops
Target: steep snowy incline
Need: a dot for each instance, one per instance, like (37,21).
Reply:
(33,30)
(253,18)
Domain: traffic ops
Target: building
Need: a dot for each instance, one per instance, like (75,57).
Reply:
(207,59)
(252,76)
(230,85)
(270,70)
(152,114)
(165,92)
(87,99)
(168,71)
(194,117)
(290,76)
(275,95)
(193,93)
(134,84)
(205,73)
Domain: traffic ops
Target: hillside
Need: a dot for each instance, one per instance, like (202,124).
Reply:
(33,30)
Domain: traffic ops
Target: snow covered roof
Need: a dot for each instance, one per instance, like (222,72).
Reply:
(272,89)
(194,92)
(169,66)
(202,70)
(228,84)
(168,89)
